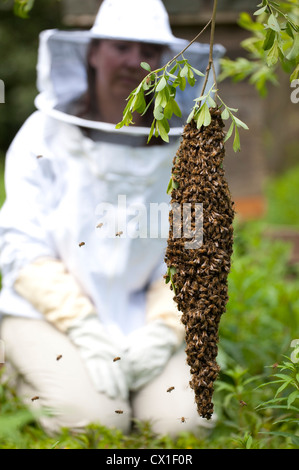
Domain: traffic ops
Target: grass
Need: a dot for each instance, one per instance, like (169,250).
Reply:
(261,320)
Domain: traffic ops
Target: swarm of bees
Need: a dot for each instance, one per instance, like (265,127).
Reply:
(199,278)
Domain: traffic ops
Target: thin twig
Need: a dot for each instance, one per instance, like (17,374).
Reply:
(213,21)
(188,45)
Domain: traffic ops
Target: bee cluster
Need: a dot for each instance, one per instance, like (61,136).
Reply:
(200,274)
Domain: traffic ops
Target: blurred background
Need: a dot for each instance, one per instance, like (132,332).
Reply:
(263,311)
(271,146)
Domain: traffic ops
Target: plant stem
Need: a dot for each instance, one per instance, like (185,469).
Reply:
(188,45)
(213,21)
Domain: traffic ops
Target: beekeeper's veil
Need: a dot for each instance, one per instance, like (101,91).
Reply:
(62,61)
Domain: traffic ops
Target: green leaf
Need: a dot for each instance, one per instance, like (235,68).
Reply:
(146,66)
(273,23)
(163,130)
(158,113)
(182,83)
(200,118)
(191,78)
(229,132)
(236,144)
(176,109)
(211,102)
(168,111)
(162,83)
(172,270)
(273,55)
(169,189)
(151,133)
(174,69)
(260,11)
(225,114)
(294,52)
(249,442)
(191,115)
(184,71)
(295,74)
(283,386)
(139,104)
(292,397)
(162,98)
(198,72)
(269,39)
(207,115)
(240,123)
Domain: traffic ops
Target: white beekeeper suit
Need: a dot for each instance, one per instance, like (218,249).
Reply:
(78,246)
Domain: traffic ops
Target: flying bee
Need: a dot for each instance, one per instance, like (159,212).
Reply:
(170,389)
(117,358)
(243,403)
(81,243)
(118,234)
(39,156)
(34,398)
(119,412)
(58,357)
(183,419)
(100,225)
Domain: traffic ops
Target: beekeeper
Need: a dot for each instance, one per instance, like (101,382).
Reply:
(89,325)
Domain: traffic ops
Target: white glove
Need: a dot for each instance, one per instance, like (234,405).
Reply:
(149,349)
(98,350)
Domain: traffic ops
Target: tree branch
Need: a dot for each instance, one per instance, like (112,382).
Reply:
(213,22)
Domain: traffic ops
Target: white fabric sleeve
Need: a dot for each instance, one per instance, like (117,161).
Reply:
(30,191)
(54,292)
(161,306)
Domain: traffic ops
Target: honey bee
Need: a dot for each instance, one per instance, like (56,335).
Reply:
(119,412)
(39,156)
(170,389)
(183,419)
(58,357)
(117,358)
(118,234)
(100,225)
(34,398)
(242,403)
(81,243)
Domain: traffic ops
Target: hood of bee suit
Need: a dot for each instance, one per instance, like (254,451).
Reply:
(62,60)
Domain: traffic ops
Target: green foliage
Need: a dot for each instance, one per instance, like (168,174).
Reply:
(261,321)
(162,85)
(169,276)
(287,403)
(19,40)
(282,198)
(23,7)
(274,41)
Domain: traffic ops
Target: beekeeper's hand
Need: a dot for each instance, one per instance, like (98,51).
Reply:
(148,351)
(98,350)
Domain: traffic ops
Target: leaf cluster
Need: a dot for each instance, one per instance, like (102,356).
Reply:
(158,89)
(202,116)
(288,403)
(169,276)
(22,7)
(274,41)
